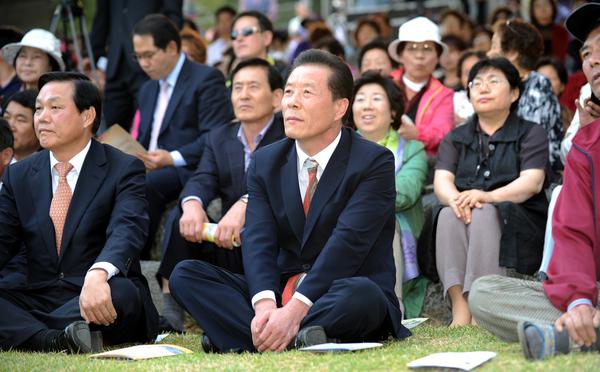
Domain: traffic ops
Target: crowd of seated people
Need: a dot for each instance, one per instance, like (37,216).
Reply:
(323,158)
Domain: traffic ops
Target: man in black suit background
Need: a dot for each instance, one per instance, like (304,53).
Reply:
(256,95)
(111,43)
(182,102)
(79,209)
(317,244)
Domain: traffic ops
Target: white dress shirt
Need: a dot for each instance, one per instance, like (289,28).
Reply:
(171,79)
(322,158)
(72,177)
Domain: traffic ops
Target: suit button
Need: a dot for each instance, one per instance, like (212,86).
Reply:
(61,275)
(305,267)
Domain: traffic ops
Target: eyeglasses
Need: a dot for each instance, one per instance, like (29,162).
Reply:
(146,55)
(478,84)
(419,47)
(245,32)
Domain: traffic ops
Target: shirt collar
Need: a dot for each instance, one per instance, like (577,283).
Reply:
(172,77)
(322,157)
(76,161)
(259,136)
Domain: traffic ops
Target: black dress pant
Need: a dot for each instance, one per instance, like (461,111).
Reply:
(162,187)
(25,312)
(177,249)
(353,309)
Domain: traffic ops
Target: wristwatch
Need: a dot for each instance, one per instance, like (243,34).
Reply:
(244,198)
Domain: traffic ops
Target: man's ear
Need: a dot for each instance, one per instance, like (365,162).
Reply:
(172,47)
(89,116)
(277,96)
(6,156)
(268,37)
(341,106)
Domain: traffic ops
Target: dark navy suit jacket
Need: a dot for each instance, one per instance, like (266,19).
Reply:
(348,231)
(221,171)
(199,103)
(107,221)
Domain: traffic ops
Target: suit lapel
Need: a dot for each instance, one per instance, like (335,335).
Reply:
(235,155)
(178,92)
(92,174)
(291,193)
(329,182)
(41,187)
(147,115)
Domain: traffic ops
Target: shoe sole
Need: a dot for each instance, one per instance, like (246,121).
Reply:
(311,336)
(82,337)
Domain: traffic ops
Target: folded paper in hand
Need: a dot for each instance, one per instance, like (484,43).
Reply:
(143,352)
(117,137)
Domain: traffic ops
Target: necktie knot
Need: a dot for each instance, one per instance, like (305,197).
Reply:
(311,165)
(63,169)
(164,87)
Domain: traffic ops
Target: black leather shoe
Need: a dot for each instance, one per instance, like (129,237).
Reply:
(207,345)
(313,335)
(75,339)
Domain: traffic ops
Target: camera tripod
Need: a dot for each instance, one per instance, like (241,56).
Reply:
(70,11)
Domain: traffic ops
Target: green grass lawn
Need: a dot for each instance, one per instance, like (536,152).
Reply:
(393,356)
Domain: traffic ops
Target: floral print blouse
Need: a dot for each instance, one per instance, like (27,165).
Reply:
(539,105)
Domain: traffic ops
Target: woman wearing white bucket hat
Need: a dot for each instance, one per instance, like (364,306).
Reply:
(428,103)
(37,53)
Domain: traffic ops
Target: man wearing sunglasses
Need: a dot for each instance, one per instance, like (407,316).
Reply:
(182,102)
(251,35)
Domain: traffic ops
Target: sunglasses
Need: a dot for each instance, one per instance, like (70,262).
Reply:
(245,32)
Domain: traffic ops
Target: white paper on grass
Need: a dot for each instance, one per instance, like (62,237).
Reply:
(413,322)
(460,360)
(321,348)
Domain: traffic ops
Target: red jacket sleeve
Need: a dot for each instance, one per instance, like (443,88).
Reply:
(572,269)
(437,119)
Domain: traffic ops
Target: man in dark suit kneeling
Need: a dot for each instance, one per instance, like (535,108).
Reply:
(317,249)
(79,209)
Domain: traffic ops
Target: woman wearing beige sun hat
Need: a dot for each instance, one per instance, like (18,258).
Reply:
(428,103)
(37,53)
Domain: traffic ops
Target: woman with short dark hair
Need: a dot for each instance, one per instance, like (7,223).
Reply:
(490,176)
(522,44)
(374,56)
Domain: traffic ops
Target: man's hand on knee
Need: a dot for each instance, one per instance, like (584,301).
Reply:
(580,322)
(262,312)
(282,326)
(95,302)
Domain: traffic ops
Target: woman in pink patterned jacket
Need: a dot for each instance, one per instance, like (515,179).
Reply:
(429,111)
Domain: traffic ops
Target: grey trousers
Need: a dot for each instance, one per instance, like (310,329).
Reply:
(467,252)
(498,303)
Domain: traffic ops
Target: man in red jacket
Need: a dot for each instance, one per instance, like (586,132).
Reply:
(567,308)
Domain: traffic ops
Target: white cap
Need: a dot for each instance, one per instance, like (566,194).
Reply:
(417,30)
(39,39)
